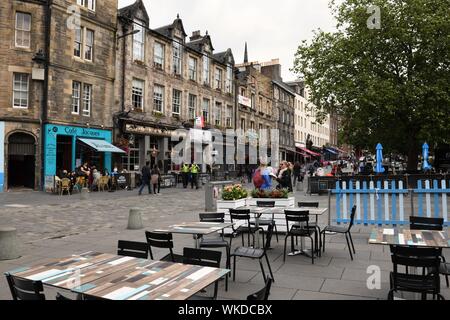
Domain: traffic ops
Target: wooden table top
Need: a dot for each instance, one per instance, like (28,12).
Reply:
(122,278)
(153,280)
(201,228)
(407,237)
(76,270)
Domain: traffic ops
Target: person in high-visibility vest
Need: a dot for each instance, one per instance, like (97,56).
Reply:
(194,175)
(185,174)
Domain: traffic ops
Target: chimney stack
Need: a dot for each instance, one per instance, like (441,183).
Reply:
(196,35)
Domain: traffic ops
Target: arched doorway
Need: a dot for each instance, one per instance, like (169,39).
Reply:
(21,160)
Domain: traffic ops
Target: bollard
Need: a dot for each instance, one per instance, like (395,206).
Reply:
(135,220)
(8,244)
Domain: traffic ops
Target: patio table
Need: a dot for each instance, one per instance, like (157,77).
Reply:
(407,237)
(197,229)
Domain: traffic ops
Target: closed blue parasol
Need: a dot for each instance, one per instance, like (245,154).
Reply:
(426,166)
(379,168)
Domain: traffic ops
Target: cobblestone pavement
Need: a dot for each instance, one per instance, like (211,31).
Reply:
(54,226)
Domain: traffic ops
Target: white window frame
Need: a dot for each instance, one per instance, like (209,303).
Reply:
(229,84)
(87,99)
(22,30)
(87,45)
(88,4)
(176,101)
(206,106)
(193,62)
(192,106)
(158,60)
(76,97)
(177,56)
(229,116)
(78,42)
(158,98)
(138,40)
(206,71)
(218,114)
(218,78)
(137,91)
(19,91)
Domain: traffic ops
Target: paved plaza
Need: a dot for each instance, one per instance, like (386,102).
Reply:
(56,226)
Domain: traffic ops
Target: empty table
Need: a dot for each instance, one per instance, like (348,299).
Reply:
(407,237)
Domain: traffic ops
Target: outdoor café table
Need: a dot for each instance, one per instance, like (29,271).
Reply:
(197,229)
(76,270)
(153,280)
(407,237)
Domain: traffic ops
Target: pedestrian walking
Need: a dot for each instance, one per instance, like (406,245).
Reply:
(194,175)
(156,179)
(185,174)
(297,172)
(146,174)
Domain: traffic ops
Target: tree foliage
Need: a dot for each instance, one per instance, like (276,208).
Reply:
(388,85)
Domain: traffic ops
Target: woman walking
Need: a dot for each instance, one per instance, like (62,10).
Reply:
(156,179)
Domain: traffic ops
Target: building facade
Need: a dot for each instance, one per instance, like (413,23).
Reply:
(59,65)
(168,81)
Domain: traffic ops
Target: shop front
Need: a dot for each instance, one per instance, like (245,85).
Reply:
(68,147)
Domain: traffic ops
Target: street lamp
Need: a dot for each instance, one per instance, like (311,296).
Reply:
(128,34)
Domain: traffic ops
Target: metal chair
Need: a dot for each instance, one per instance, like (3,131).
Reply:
(22,289)
(162,240)
(266,222)
(203,258)
(436,224)
(64,186)
(217,242)
(263,294)
(343,230)
(243,215)
(315,205)
(252,253)
(298,230)
(132,249)
(426,258)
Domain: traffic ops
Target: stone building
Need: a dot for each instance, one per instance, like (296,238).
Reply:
(255,110)
(166,81)
(58,60)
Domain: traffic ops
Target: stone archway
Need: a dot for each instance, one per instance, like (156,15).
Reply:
(21,160)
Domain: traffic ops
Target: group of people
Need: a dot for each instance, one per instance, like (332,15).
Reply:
(85,175)
(287,175)
(151,177)
(190,172)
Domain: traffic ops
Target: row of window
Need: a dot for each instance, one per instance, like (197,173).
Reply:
(177,99)
(159,53)
(302,136)
(283,96)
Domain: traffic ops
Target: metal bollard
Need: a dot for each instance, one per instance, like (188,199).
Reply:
(8,244)
(135,219)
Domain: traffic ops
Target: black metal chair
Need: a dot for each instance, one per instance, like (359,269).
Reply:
(22,289)
(265,222)
(205,258)
(435,224)
(263,294)
(314,205)
(426,258)
(343,230)
(252,253)
(165,241)
(299,228)
(243,215)
(217,242)
(132,249)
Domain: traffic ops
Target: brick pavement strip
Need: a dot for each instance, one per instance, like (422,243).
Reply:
(53,226)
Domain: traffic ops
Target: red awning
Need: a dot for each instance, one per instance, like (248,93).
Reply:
(314,154)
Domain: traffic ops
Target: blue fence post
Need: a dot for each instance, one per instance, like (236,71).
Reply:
(420,198)
(338,203)
(351,193)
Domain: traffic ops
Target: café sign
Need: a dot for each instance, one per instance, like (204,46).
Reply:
(245,101)
(151,131)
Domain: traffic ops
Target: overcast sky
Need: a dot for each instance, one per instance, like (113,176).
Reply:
(272,28)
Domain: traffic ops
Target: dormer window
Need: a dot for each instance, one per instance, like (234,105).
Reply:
(177,56)
(138,41)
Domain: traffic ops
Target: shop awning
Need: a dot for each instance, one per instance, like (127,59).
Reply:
(101,145)
(314,154)
(331,151)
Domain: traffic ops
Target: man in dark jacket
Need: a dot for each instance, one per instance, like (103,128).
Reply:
(146,175)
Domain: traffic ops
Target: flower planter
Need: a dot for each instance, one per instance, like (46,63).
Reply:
(289,202)
(232,204)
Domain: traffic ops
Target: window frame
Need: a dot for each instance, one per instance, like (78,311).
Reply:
(206,111)
(135,93)
(192,106)
(87,112)
(218,79)
(137,25)
(159,64)
(218,113)
(22,31)
(75,98)
(20,91)
(78,43)
(177,64)
(193,68)
(206,70)
(161,100)
(179,102)
(86,45)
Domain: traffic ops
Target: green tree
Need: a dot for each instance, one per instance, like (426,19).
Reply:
(388,84)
